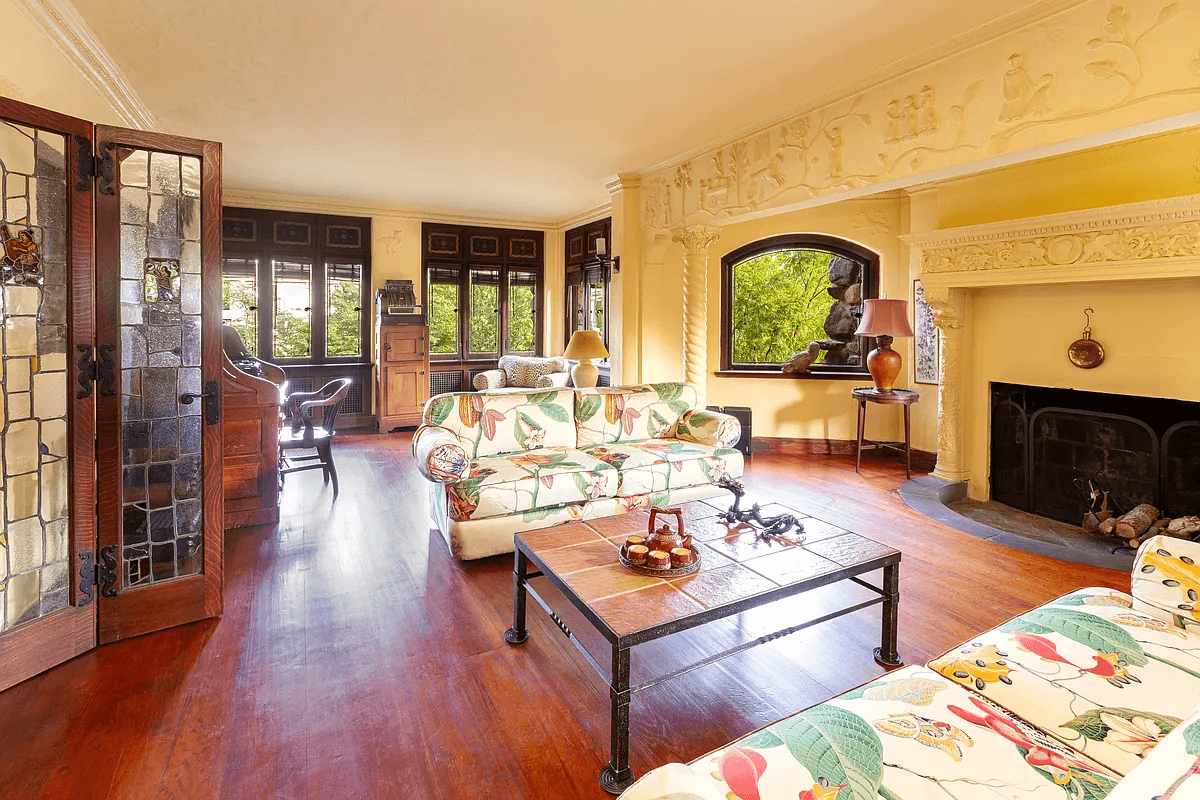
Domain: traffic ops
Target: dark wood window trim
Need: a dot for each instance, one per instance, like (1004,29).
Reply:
(318,239)
(791,241)
(584,268)
(466,248)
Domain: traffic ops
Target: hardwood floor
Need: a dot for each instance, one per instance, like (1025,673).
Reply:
(357,659)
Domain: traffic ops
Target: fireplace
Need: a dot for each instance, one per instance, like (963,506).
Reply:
(1046,442)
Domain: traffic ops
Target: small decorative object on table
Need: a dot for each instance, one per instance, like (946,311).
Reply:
(772,526)
(664,553)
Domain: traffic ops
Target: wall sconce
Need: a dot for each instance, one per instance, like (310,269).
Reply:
(604,257)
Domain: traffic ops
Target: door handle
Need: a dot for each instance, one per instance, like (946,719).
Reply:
(212,402)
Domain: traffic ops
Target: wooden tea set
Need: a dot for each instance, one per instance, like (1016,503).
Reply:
(663,553)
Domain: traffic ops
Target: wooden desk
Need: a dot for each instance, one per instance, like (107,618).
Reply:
(870,394)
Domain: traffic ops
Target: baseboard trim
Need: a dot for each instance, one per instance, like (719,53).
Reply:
(921,459)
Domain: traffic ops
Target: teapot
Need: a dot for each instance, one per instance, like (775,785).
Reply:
(664,538)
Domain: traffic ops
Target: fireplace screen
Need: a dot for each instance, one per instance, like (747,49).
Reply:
(1048,443)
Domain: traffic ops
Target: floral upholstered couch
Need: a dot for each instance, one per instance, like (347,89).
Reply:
(502,463)
(1093,695)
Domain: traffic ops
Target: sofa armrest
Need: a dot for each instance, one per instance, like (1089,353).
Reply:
(489,379)
(713,428)
(439,454)
(1166,579)
(554,380)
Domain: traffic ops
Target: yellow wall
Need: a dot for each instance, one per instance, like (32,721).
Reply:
(34,71)
(1021,334)
(801,409)
(1152,167)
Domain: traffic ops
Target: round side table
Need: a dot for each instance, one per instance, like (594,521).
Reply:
(904,397)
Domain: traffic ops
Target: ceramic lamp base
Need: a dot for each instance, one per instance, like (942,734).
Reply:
(585,374)
(884,365)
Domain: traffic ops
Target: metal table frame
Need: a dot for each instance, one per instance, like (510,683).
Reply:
(617,776)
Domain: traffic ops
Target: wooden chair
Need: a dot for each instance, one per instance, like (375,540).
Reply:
(302,434)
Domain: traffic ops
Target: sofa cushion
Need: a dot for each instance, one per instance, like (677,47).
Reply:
(490,424)
(630,413)
(1089,670)
(1171,769)
(516,482)
(911,734)
(1166,581)
(660,465)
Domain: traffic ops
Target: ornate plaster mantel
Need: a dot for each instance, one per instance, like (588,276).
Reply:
(1139,241)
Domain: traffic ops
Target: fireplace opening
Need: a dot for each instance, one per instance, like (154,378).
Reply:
(1046,444)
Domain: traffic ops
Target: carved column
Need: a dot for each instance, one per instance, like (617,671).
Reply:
(696,240)
(950,316)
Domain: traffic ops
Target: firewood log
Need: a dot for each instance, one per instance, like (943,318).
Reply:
(1104,514)
(1108,526)
(1187,526)
(1090,523)
(1134,542)
(1136,522)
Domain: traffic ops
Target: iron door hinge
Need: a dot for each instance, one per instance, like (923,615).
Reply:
(102,372)
(102,574)
(85,163)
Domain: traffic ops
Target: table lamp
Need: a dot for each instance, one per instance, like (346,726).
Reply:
(886,319)
(583,347)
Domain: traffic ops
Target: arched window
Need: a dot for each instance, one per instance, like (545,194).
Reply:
(781,294)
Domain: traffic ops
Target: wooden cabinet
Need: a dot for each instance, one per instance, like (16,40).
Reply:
(402,355)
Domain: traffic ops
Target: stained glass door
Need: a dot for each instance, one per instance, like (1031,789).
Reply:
(159,304)
(47,424)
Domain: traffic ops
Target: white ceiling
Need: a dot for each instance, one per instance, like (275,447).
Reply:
(517,109)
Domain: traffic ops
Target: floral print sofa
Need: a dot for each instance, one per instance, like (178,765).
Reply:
(499,464)
(1093,695)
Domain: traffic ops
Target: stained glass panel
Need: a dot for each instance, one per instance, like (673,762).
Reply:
(34,479)
(160,354)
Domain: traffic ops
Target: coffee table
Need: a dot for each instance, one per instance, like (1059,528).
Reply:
(739,571)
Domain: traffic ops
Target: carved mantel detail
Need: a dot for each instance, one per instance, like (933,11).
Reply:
(696,239)
(950,316)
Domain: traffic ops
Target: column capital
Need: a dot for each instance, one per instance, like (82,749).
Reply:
(949,306)
(695,239)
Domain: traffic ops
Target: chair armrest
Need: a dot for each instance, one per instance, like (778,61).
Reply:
(1166,579)
(489,379)
(439,454)
(702,426)
(553,380)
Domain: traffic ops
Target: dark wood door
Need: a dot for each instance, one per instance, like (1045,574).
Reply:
(405,389)
(47,423)
(158,248)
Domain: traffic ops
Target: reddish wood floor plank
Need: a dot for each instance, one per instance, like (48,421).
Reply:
(357,658)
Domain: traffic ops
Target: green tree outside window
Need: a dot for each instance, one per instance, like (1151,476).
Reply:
(779,305)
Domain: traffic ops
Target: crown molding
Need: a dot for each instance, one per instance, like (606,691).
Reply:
(63,25)
(1023,17)
(584,217)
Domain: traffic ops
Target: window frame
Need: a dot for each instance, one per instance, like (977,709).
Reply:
(794,241)
(464,354)
(261,243)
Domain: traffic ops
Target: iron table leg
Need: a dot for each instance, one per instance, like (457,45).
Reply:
(907,444)
(617,776)
(886,656)
(517,633)
(862,419)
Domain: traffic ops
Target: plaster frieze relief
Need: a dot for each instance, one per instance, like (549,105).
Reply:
(1139,232)
(1085,70)
(391,242)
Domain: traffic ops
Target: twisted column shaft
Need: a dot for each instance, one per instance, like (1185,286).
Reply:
(696,240)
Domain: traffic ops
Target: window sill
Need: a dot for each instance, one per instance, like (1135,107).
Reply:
(803,376)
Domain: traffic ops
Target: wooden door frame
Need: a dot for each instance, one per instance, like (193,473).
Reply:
(41,644)
(186,599)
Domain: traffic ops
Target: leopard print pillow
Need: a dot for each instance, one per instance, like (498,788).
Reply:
(524,371)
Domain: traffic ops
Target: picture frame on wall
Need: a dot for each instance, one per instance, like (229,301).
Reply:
(927,339)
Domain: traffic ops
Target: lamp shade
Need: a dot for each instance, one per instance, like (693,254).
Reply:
(884,318)
(585,345)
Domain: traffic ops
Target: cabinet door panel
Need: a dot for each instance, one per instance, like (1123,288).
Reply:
(403,345)
(403,389)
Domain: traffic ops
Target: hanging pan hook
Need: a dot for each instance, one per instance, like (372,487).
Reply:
(1087,312)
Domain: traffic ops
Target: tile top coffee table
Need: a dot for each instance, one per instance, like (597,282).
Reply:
(738,571)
